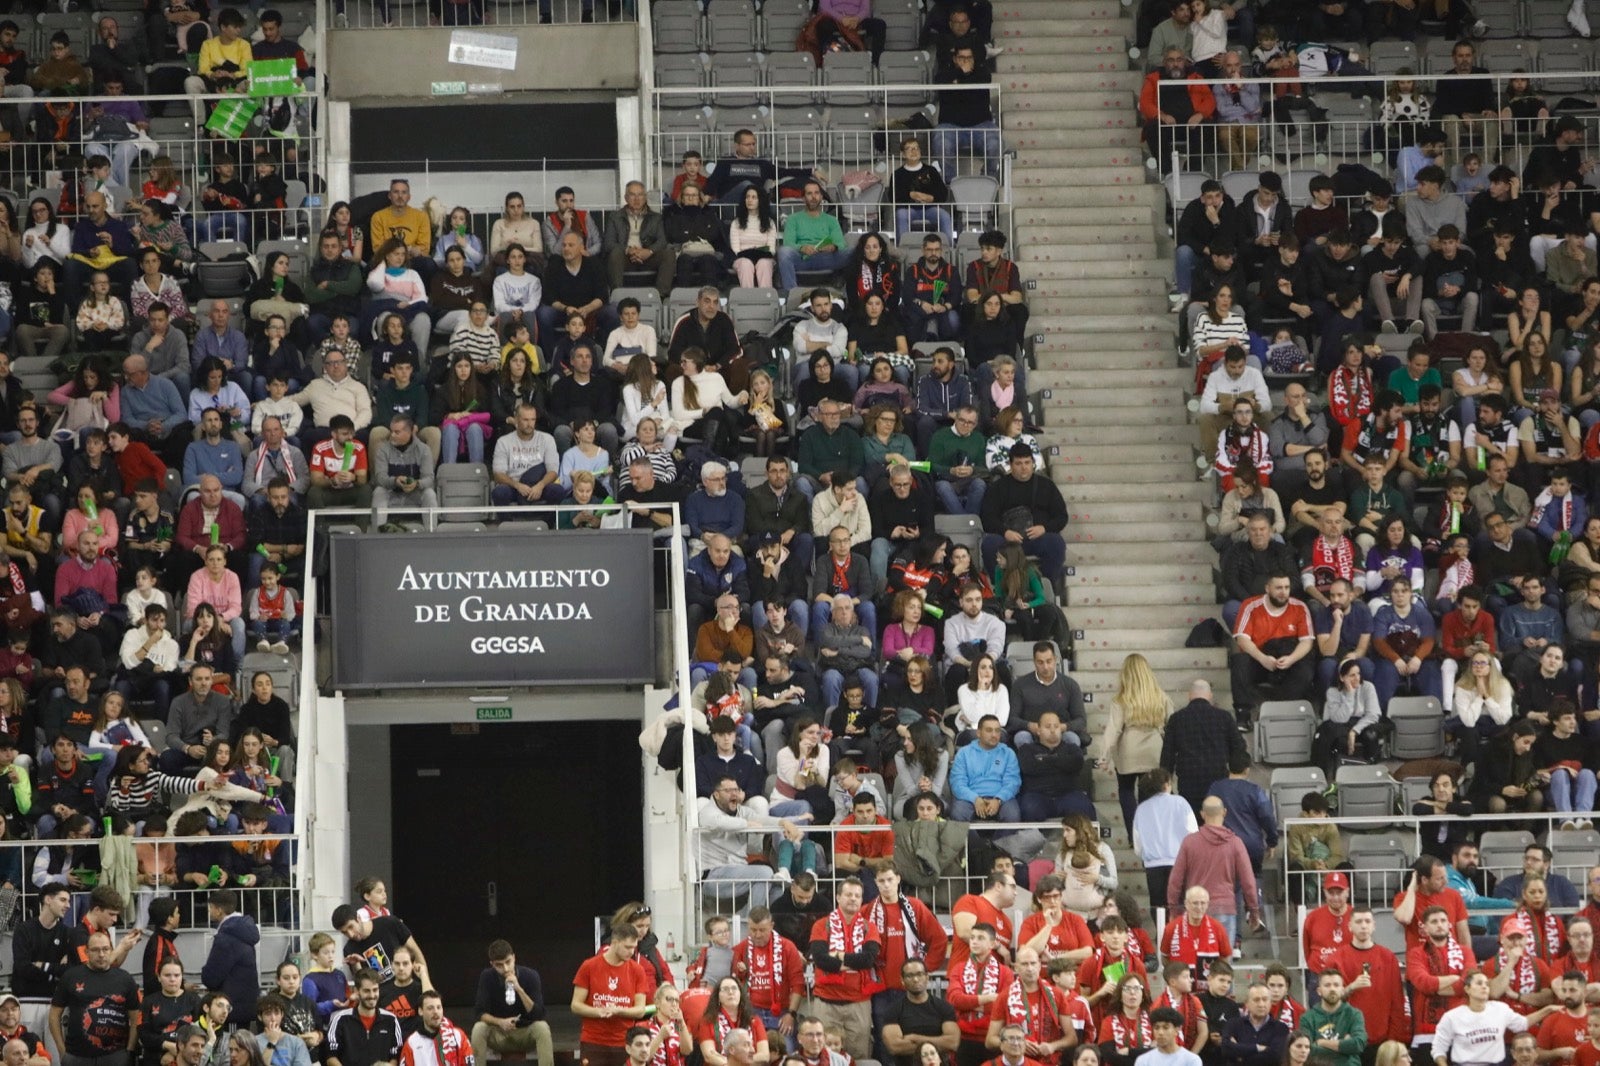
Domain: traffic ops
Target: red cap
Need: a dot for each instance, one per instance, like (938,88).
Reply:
(1335,880)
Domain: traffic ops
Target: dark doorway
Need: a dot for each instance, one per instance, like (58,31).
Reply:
(549,814)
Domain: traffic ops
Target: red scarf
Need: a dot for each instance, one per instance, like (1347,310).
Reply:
(1190,943)
(1332,562)
(985,984)
(1524,977)
(1021,1010)
(724,1025)
(670,1053)
(1349,394)
(876,914)
(1549,940)
(1189,1007)
(1127,1033)
(775,954)
(848,940)
(1289,1013)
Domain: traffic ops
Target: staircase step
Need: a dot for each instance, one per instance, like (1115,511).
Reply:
(1024,28)
(1104,494)
(1091,288)
(1043,202)
(1111,596)
(1172,456)
(1068,438)
(1064,84)
(1045,111)
(1129,266)
(1087,225)
(1067,475)
(1103,683)
(1087,415)
(1164,325)
(1159,382)
(1083,55)
(1137,356)
(1062,338)
(1065,307)
(1123,546)
(1059,128)
(1179,658)
(1129,538)
(1041,269)
(1079,210)
(1174,575)
(1103,641)
(1112,517)
(1095,620)
(1118,168)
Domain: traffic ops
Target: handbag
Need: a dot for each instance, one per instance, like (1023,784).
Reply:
(111,128)
(79,414)
(1017,519)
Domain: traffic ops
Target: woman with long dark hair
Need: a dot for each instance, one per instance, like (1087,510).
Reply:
(753,236)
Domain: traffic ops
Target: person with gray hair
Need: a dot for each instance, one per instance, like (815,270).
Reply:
(636,239)
(402,471)
(844,649)
(712,508)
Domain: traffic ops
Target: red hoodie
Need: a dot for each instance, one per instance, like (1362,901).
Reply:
(1215,859)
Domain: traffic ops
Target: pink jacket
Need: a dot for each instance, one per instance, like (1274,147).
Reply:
(224,596)
(1213,858)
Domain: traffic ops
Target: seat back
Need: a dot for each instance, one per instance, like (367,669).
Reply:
(1366,791)
(1418,727)
(1284,729)
(1500,850)
(463,485)
(1381,864)
(1288,786)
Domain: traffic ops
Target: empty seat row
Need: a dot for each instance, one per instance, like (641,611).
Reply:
(790,78)
(680,25)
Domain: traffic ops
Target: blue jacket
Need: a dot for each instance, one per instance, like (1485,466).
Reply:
(231,966)
(221,459)
(706,582)
(935,397)
(976,773)
(1249,814)
(722,514)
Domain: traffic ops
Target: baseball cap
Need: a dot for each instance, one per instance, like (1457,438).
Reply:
(1514,926)
(1335,880)
(1549,394)
(8,996)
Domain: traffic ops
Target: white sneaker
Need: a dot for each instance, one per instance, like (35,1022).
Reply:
(263,645)
(279,648)
(783,874)
(1386,327)
(1416,327)
(1578,18)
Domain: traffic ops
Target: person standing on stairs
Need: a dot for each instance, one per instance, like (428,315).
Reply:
(1215,859)
(1134,729)
(1200,742)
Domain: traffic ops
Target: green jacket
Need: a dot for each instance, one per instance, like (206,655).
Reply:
(823,453)
(1344,1024)
(946,448)
(800,229)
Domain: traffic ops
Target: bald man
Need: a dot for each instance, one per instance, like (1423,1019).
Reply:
(1215,859)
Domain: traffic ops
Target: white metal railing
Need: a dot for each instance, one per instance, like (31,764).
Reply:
(845,132)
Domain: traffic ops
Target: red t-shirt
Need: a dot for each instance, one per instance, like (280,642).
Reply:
(1587,1055)
(610,986)
(1563,1030)
(985,912)
(1069,934)
(1035,1012)
(328,457)
(868,842)
(709,1030)
(1448,898)
(1261,624)
(1323,935)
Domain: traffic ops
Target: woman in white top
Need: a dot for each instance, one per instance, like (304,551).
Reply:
(397,289)
(514,227)
(701,395)
(644,395)
(46,238)
(1086,864)
(1482,701)
(802,763)
(1477,378)
(516,293)
(1220,325)
(1476,1033)
(983,694)
(753,236)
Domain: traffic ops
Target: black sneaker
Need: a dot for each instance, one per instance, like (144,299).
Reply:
(1243,715)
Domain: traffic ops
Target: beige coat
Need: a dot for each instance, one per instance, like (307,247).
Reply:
(1132,750)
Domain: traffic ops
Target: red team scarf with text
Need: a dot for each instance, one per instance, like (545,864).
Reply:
(1547,934)
(1130,1033)
(848,940)
(774,952)
(986,984)
(1202,938)
(1524,977)
(1020,1009)
(670,1053)
(908,922)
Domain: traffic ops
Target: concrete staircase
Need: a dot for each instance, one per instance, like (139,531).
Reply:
(1090,235)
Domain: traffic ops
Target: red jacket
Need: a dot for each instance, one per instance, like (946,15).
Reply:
(1199,97)
(1455,635)
(192,530)
(136,462)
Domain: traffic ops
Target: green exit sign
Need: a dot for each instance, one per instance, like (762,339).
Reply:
(494,714)
(450,88)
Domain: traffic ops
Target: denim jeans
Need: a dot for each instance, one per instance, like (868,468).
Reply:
(453,433)
(924,215)
(951,501)
(833,684)
(951,141)
(1572,792)
(790,261)
(963,811)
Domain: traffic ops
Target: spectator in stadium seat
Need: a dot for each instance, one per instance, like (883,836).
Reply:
(1536,860)
(1210,218)
(575,283)
(516,226)
(333,394)
(277,533)
(1466,105)
(1172,109)
(1238,111)
(712,508)
(812,239)
(827,448)
(340,475)
(1051,768)
(842,572)
(402,470)
(969,634)
(993,272)
(1262,221)
(408,225)
(114,54)
(697,238)
(206,508)
(985,778)
(942,394)
(732,825)
(526,464)
(510,1007)
(931,294)
(584,396)
(845,651)
(636,238)
(566,218)
(966,128)
(775,507)
(1394,273)
(1450,281)
(919,193)
(902,513)
(955,454)
(743,170)
(197,712)
(1273,641)
(151,406)
(753,237)
(333,287)
(1003,519)
(707,327)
